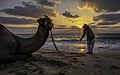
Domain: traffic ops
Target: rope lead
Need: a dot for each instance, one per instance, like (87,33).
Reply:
(55,44)
(70,59)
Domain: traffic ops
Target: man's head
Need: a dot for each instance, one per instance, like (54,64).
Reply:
(85,26)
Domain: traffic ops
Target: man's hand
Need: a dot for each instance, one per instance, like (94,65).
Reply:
(80,39)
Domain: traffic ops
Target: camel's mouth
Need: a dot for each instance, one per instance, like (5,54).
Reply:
(49,27)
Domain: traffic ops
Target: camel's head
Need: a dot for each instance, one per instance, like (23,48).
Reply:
(46,23)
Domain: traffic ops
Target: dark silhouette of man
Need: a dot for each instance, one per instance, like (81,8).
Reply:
(90,38)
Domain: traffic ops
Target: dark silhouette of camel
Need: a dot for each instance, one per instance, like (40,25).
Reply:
(13,48)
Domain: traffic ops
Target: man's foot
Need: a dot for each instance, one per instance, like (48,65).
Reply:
(89,53)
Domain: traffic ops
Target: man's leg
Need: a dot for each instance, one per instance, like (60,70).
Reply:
(88,46)
(92,45)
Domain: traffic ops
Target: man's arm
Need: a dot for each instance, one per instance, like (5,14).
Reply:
(83,35)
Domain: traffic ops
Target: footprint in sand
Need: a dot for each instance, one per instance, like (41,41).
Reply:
(74,60)
(63,71)
(114,67)
(98,65)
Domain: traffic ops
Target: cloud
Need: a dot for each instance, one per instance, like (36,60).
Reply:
(50,3)
(30,10)
(107,23)
(69,15)
(107,17)
(14,20)
(102,5)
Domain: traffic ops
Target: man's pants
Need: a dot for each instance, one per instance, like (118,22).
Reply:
(90,45)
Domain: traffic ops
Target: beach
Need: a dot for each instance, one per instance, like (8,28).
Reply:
(50,62)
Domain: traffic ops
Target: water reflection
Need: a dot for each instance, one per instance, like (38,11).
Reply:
(82,50)
(82,47)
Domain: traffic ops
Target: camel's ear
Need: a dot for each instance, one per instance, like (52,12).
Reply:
(37,20)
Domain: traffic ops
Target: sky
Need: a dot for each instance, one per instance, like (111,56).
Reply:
(24,13)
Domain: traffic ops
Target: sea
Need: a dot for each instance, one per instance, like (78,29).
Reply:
(67,41)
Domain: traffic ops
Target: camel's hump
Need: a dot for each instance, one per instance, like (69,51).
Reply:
(1,26)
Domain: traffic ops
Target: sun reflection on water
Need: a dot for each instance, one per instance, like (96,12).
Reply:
(82,47)
(82,50)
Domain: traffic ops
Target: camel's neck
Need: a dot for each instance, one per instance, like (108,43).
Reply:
(34,43)
(40,37)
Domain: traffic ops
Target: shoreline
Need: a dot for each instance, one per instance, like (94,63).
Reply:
(84,52)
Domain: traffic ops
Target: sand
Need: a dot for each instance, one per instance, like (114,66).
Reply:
(49,62)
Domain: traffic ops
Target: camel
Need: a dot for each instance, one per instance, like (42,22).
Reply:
(13,48)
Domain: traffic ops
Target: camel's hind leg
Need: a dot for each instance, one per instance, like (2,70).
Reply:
(6,57)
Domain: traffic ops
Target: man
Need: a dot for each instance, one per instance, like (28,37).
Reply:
(90,38)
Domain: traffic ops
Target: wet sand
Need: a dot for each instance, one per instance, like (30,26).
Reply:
(49,62)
